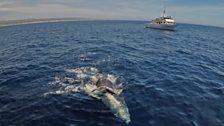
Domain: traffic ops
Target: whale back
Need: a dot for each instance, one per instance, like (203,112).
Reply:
(104,83)
(108,86)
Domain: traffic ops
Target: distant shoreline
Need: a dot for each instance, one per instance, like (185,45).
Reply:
(37,21)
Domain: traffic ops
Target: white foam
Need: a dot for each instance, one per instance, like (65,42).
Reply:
(79,77)
(112,78)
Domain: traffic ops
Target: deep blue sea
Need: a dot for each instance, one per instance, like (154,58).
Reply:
(171,78)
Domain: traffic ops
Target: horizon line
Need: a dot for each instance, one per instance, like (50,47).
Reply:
(13,22)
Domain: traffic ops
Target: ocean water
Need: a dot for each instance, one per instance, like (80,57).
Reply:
(170,78)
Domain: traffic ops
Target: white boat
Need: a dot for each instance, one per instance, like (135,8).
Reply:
(164,22)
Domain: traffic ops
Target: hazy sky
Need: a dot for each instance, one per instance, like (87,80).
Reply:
(210,12)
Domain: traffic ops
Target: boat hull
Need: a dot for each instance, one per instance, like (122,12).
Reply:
(161,26)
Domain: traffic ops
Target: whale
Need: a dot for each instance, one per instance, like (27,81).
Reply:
(106,88)
(110,94)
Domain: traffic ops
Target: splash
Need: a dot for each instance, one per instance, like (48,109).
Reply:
(85,80)
(78,77)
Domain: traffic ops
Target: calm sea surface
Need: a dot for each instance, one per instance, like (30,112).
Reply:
(170,78)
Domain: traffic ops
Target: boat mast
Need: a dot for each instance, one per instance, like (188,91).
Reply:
(164,12)
(164,8)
